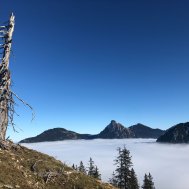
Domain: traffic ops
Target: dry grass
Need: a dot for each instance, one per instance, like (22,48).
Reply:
(28,169)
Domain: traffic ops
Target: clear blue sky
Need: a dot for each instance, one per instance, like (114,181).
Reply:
(82,63)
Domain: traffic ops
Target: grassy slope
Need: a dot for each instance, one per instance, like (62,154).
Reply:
(28,169)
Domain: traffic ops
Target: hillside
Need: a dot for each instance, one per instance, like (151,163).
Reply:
(56,134)
(28,169)
(176,134)
(142,131)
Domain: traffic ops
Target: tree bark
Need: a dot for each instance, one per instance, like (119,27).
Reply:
(5,79)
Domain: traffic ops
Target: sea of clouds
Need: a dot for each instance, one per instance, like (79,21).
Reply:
(168,163)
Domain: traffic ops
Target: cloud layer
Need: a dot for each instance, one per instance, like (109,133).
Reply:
(168,164)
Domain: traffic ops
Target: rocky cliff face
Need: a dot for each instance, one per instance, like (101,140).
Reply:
(115,130)
(176,134)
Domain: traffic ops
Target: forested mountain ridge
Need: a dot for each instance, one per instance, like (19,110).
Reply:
(176,134)
(143,131)
(57,134)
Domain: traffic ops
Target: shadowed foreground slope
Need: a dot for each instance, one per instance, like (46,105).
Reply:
(24,168)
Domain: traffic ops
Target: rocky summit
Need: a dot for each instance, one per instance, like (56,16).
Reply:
(115,130)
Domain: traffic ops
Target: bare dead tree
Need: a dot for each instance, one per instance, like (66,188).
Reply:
(5,79)
(6,95)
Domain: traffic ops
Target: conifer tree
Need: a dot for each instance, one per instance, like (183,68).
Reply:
(97,175)
(123,163)
(74,167)
(91,168)
(124,176)
(148,182)
(113,180)
(122,172)
(133,180)
(81,168)
(145,182)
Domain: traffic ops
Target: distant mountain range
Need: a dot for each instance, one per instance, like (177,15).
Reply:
(176,134)
(112,131)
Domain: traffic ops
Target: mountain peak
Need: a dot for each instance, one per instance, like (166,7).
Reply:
(115,130)
(113,122)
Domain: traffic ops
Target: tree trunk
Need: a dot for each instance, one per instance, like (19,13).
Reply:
(5,79)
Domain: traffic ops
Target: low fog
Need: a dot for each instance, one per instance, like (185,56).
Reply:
(168,164)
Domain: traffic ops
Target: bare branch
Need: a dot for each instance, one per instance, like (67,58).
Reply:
(25,103)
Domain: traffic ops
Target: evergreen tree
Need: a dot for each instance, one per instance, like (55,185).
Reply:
(133,180)
(91,168)
(97,175)
(151,183)
(73,166)
(122,172)
(145,182)
(148,182)
(113,180)
(81,168)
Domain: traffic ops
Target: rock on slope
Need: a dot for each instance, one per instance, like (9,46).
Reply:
(176,134)
(27,169)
